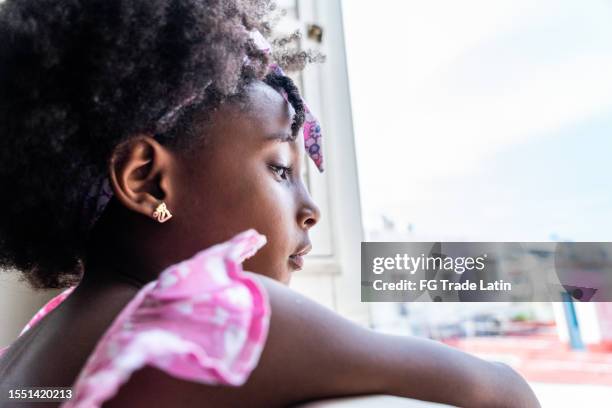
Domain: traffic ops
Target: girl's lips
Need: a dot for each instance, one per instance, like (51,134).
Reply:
(296,262)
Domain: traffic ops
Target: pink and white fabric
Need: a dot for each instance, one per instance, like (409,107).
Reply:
(48,307)
(202,320)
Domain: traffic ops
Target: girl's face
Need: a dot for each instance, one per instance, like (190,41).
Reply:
(248,174)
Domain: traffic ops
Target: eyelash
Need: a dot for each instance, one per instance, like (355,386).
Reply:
(281,171)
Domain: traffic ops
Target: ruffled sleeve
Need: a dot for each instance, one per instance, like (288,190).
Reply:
(203,320)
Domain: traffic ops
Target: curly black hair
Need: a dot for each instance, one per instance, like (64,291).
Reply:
(78,77)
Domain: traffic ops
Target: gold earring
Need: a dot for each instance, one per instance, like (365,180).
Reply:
(161,213)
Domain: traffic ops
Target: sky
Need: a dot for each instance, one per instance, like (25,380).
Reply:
(483,120)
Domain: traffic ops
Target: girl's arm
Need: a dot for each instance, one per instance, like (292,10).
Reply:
(313,353)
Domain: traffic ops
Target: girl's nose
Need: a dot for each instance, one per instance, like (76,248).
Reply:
(309,214)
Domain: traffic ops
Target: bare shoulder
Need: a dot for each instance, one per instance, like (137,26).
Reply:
(313,353)
(303,340)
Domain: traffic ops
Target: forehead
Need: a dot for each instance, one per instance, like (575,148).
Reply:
(266,103)
(262,112)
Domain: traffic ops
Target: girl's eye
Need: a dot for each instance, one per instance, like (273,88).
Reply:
(281,171)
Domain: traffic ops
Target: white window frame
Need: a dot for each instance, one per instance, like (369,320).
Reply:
(332,272)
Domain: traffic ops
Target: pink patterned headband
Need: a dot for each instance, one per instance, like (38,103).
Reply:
(101,192)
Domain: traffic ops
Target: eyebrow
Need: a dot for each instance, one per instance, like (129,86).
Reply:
(281,137)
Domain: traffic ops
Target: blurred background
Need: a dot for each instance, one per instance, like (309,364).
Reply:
(447,120)
(484,121)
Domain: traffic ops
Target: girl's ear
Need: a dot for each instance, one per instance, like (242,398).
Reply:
(140,174)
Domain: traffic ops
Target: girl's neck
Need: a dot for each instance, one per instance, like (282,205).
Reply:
(118,251)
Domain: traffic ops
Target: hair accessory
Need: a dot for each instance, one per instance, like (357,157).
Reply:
(312,127)
(161,213)
(100,192)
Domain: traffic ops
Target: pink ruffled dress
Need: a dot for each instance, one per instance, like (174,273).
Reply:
(202,320)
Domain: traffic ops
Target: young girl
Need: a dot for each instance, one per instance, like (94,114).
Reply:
(148,148)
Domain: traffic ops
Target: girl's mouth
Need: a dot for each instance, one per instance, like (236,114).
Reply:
(296,261)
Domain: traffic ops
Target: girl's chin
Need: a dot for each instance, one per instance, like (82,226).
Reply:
(296,262)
